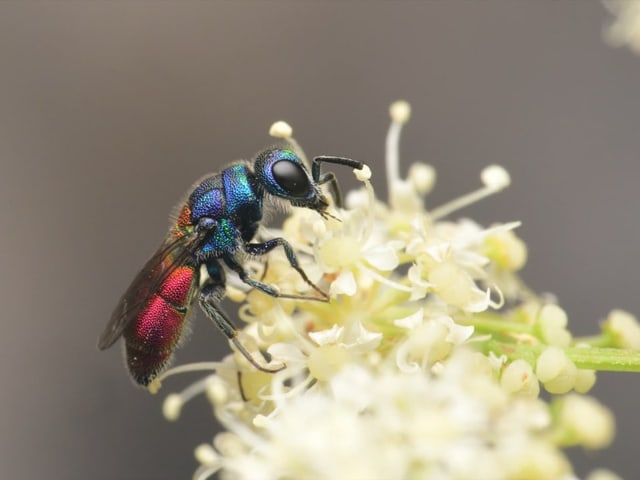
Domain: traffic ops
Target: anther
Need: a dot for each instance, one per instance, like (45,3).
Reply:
(281,129)
(400,111)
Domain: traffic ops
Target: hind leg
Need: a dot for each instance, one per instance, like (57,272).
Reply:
(211,294)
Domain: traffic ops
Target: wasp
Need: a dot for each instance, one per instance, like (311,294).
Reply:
(215,228)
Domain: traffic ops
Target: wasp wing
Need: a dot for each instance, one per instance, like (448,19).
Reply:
(173,253)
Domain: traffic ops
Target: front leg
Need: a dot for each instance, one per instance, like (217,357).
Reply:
(259,249)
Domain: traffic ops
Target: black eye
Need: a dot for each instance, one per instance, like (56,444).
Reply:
(291,177)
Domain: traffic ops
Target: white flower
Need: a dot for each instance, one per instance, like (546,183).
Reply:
(327,352)
(401,426)
(625,29)
(428,341)
(418,366)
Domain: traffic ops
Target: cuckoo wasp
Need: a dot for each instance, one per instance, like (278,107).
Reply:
(215,228)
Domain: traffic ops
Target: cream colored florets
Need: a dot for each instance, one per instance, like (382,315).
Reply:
(624,30)
(426,363)
(379,424)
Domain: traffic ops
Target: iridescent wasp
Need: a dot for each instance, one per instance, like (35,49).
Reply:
(215,228)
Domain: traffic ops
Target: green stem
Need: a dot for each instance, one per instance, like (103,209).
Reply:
(496,324)
(602,340)
(605,359)
(593,358)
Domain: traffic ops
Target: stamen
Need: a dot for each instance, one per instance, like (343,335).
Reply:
(217,392)
(260,421)
(495,179)
(174,402)
(281,129)
(363,174)
(400,111)
(422,177)
(206,455)
(156,384)
(280,394)
(172,406)
(371,197)
(384,280)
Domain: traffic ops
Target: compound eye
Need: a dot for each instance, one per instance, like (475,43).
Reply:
(291,177)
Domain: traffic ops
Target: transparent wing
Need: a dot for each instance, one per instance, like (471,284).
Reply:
(173,253)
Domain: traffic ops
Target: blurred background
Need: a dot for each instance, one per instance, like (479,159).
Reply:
(110,110)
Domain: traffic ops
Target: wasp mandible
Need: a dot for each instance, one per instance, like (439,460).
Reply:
(215,227)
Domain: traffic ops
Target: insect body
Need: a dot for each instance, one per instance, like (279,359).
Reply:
(215,228)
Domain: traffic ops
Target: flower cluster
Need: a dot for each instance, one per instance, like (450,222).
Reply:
(428,360)
(625,28)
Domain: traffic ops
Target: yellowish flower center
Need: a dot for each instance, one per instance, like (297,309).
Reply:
(339,252)
(326,360)
(451,283)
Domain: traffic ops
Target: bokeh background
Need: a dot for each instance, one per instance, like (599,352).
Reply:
(110,110)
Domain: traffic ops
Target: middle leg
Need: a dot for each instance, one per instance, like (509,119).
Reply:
(259,249)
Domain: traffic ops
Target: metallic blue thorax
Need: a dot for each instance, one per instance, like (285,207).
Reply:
(233,199)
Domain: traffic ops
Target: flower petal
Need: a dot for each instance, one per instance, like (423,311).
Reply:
(458,334)
(412,321)
(329,336)
(382,257)
(345,284)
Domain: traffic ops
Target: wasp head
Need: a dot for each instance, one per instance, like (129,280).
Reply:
(283,174)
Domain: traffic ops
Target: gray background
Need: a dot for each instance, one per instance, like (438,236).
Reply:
(109,111)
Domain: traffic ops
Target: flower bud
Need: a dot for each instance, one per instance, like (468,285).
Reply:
(518,378)
(624,328)
(556,371)
(585,380)
(584,421)
(552,321)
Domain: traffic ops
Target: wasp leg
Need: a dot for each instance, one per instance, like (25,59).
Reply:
(263,248)
(334,187)
(267,246)
(210,297)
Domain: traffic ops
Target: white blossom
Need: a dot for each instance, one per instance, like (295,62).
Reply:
(427,362)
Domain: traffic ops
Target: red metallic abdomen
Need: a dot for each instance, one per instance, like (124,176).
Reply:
(152,337)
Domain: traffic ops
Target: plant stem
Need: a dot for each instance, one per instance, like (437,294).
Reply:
(593,358)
